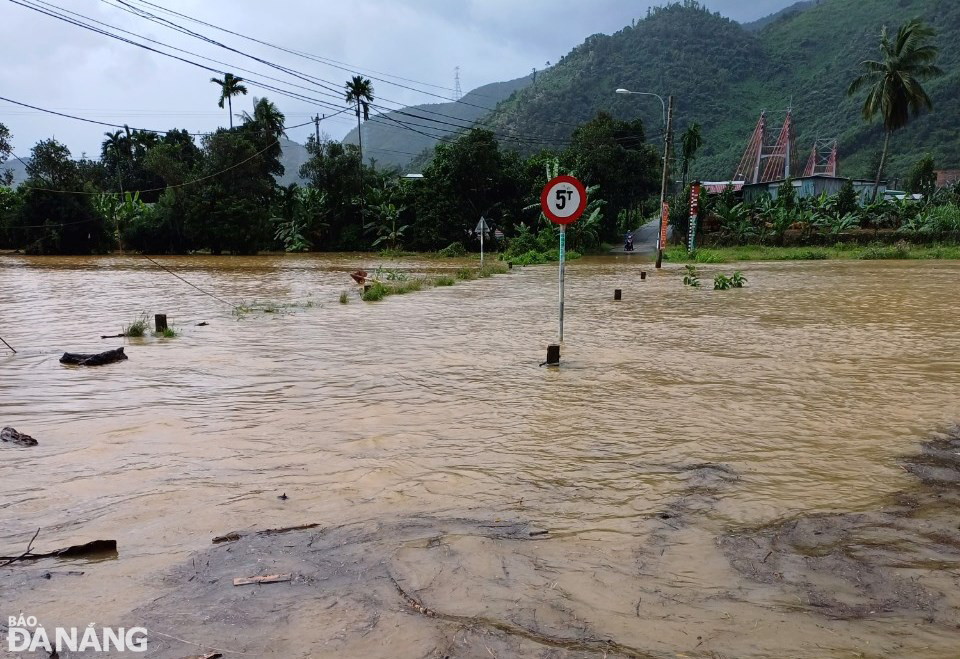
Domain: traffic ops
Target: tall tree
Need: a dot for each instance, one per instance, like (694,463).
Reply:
(690,143)
(6,176)
(360,92)
(230,86)
(895,92)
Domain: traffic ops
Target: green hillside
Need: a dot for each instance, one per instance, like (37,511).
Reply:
(386,139)
(723,74)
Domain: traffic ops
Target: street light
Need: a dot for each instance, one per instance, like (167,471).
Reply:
(667,123)
(662,104)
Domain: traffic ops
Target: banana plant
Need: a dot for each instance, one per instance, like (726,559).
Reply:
(119,212)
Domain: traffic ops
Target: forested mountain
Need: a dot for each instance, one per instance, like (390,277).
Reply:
(388,140)
(795,8)
(723,74)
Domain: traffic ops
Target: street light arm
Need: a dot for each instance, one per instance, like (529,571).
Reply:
(663,104)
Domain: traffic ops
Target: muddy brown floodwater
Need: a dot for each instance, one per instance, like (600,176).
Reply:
(754,472)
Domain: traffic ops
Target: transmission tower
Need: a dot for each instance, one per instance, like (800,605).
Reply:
(457,91)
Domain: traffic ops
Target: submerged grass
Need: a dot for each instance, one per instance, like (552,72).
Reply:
(381,289)
(344,298)
(137,328)
(270,307)
(900,250)
(167,333)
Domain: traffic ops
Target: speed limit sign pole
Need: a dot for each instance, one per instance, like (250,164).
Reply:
(563,245)
(562,201)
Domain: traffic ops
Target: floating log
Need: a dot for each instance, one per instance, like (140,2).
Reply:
(98,359)
(10,435)
(112,336)
(203,324)
(160,321)
(270,578)
(74,551)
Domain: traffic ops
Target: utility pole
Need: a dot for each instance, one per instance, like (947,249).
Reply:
(667,141)
(316,123)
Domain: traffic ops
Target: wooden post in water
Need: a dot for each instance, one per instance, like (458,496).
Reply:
(617,294)
(553,354)
(643,274)
(160,321)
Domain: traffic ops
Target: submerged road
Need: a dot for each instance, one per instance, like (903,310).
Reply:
(644,239)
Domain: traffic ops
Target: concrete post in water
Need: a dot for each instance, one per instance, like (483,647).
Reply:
(643,274)
(553,354)
(617,294)
(160,320)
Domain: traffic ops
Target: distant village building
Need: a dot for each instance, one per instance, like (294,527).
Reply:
(812,186)
(947,177)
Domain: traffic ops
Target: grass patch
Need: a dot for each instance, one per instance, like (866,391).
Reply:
(444,280)
(466,274)
(167,333)
(396,253)
(344,298)
(490,269)
(898,251)
(137,328)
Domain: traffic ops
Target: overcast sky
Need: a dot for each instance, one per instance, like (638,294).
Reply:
(54,65)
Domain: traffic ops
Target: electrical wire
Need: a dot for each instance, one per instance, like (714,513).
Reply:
(325,84)
(51,10)
(316,58)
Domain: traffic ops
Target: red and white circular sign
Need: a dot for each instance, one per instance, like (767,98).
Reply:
(563,200)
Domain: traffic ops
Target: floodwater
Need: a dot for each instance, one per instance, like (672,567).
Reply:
(801,391)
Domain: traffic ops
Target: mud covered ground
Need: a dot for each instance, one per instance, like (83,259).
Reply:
(898,562)
(814,586)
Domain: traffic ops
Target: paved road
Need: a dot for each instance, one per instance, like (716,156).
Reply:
(644,239)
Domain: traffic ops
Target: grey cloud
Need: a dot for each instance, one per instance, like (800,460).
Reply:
(54,65)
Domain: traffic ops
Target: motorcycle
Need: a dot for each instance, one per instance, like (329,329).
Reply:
(628,243)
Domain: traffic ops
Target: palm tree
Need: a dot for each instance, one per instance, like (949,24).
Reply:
(360,92)
(229,87)
(895,92)
(120,145)
(690,143)
(267,117)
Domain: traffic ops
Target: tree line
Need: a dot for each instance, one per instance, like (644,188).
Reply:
(174,194)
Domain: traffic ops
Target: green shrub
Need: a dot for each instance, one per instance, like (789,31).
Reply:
(375,293)
(168,333)
(444,280)
(466,274)
(886,252)
(453,250)
(343,298)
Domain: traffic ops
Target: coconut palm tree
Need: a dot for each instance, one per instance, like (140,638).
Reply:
(690,143)
(267,117)
(360,92)
(895,92)
(229,87)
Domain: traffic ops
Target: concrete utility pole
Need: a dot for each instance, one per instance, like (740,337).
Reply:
(667,141)
(316,123)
